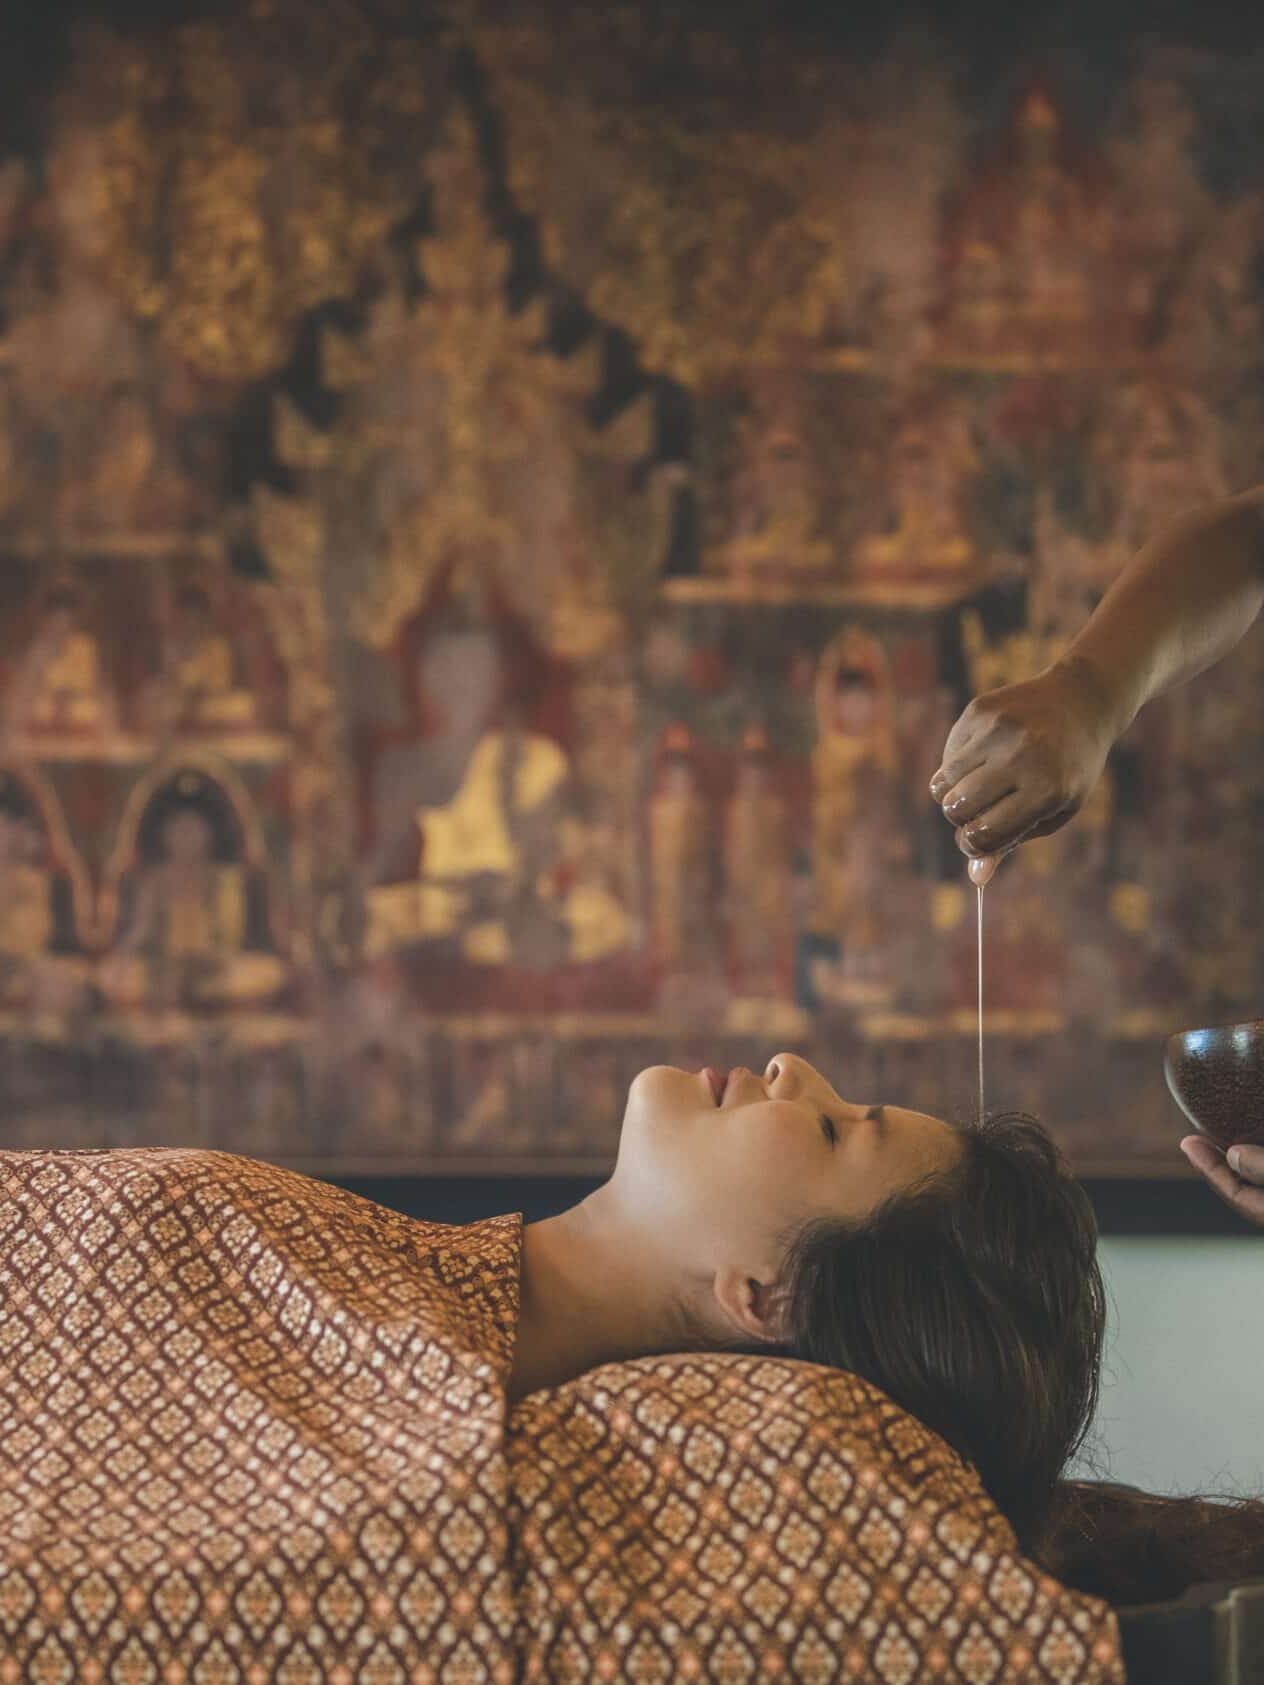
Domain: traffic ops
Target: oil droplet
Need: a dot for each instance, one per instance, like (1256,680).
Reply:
(982,868)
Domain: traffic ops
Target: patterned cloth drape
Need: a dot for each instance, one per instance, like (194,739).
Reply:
(253,1428)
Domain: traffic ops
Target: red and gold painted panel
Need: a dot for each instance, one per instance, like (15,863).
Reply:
(497,521)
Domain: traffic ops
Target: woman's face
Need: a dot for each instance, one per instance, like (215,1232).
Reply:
(723,1181)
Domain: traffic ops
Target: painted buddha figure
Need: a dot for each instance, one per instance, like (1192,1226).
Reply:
(855,737)
(485,849)
(777,506)
(680,857)
(196,689)
(932,466)
(856,841)
(60,687)
(757,877)
(184,941)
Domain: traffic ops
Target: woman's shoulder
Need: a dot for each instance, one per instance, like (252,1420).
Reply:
(223,1222)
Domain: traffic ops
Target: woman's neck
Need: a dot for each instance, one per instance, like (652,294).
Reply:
(586,1297)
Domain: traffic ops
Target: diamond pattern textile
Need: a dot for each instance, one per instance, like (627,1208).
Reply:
(731,1518)
(253,1429)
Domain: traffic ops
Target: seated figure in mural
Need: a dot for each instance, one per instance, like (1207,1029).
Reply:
(857,845)
(757,876)
(193,929)
(683,927)
(41,966)
(59,686)
(932,465)
(195,689)
(777,507)
(486,857)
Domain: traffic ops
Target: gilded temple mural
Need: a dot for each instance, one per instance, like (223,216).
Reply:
(497,516)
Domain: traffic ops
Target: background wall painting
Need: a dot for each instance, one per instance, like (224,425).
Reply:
(497,516)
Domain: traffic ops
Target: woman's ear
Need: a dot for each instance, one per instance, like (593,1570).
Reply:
(750,1307)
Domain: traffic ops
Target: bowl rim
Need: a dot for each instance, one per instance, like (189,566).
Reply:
(1216,1029)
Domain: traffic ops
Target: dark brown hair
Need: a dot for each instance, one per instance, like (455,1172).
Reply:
(1135,1547)
(974,1301)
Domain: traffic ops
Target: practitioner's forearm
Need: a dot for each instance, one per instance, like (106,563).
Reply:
(1182,603)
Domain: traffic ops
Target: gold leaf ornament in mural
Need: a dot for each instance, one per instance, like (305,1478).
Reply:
(464,441)
(241,179)
(709,248)
(291,536)
(497,793)
(712,260)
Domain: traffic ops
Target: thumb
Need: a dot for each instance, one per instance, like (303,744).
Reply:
(1248,1163)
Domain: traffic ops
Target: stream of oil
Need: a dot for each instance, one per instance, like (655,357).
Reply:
(979,892)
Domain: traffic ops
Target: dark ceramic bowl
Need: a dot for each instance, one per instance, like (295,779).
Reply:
(1217,1079)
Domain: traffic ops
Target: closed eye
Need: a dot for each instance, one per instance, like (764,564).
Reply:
(827,1128)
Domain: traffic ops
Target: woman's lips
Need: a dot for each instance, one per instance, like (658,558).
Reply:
(718,1082)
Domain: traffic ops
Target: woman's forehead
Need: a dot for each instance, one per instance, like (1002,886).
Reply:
(920,1117)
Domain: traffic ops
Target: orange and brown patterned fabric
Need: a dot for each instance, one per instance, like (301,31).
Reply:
(744,1519)
(253,1429)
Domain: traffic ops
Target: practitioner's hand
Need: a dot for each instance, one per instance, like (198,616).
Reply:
(1237,1176)
(1022,759)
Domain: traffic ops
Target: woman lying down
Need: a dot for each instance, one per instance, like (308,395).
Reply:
(788,1396)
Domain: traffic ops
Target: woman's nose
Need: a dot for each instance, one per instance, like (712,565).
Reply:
(780,1073)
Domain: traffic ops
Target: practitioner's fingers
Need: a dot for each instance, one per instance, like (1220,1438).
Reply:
(1035,741)
(963,750)
(973,795)
(1203,1154)
(1245,1197)
(1007,823)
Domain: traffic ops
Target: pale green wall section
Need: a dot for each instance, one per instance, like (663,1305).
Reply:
(1182,1404)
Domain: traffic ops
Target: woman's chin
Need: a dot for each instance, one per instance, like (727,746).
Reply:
(665,1097)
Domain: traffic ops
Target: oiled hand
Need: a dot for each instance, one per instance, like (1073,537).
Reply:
(1022,760)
